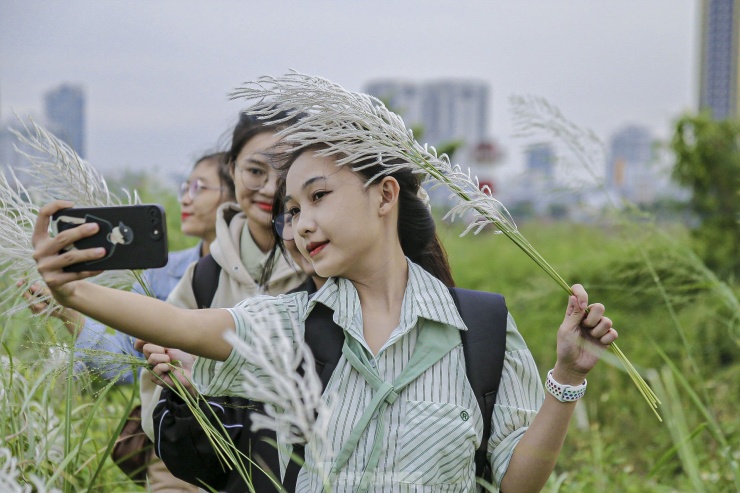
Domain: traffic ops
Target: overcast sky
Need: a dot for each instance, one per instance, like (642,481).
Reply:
(157,73)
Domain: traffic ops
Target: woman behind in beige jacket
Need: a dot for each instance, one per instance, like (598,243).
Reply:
(244,239)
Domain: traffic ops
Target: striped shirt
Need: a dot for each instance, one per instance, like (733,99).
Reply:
(431,430)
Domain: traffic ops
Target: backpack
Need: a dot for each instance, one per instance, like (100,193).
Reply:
(484,343)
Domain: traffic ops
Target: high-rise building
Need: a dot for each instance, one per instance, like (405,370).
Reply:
(455,111)
(719,87)
(540,159)
(399,96)
(628,167)
(446,110)
(65,115)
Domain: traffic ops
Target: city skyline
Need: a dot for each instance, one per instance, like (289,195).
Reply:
(157,91)
(64,110)
(719,84)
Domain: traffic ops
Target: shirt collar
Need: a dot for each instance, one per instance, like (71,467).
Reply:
(425,297)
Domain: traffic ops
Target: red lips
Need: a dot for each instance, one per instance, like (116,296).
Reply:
(185,215)
(264,206)
(315,247)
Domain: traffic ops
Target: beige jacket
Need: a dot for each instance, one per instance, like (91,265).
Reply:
(234,285)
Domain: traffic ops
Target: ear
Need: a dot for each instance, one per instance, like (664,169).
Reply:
(389,191)
(232,171)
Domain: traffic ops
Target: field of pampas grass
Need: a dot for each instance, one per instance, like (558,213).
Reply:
(678,322)
(681,332)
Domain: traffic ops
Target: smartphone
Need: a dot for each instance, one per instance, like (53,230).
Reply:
(134,236)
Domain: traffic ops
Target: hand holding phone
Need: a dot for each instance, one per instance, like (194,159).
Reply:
(134,236)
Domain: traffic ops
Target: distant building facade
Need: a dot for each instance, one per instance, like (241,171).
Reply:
(65,115)
(719,84)
(628,167)
(540,159)
(446,110)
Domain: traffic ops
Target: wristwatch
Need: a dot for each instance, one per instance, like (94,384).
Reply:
(564,393)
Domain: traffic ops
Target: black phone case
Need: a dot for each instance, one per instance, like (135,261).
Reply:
(134,236)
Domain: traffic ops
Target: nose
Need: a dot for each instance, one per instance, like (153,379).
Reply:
(185,198)
(303,224)
(270,185)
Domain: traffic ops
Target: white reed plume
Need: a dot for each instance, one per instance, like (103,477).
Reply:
(11,480)
(358,128)
(281,373)
(55,172)
(532,114)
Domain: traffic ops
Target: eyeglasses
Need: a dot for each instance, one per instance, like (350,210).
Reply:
(194,188)
(284,225)
(254,177)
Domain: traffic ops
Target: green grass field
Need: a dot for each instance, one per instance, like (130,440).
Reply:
(677,324)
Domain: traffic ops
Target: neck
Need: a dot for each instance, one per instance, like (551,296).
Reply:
(381,292)
(385,282)
(318,281)
(262,238)
(205,247)
(205,243)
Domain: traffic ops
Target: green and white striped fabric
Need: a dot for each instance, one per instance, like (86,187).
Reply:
(424,439)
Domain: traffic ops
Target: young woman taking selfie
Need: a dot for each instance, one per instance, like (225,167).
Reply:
(405,417)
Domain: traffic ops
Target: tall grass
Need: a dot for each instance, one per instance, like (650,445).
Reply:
(631,443)
(677,319)
(681,266)
(58,428)
(620,449)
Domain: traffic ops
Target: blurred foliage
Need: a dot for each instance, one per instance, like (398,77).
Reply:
(615,442)
(708,162)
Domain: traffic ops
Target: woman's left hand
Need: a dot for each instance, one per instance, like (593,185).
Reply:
(168,364)
(584,334)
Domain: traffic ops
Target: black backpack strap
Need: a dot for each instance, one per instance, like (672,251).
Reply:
(484,344)
(205,280)
(325,338)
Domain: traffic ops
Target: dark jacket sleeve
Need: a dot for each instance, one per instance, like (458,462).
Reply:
(181,443)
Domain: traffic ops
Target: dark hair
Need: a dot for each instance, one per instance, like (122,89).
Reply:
(249,125)
(247,128)
(417,230)
(278,246)
(224,177)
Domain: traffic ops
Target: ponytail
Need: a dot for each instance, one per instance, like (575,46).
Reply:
(417,230)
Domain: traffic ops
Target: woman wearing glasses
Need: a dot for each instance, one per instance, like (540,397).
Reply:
(244,237)
(239,254)
(208,186)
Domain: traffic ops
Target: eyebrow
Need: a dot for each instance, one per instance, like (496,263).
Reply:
(254,159)
(305,185)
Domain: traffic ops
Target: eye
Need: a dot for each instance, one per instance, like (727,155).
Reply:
(293,212)
(318,195)
(256,171)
